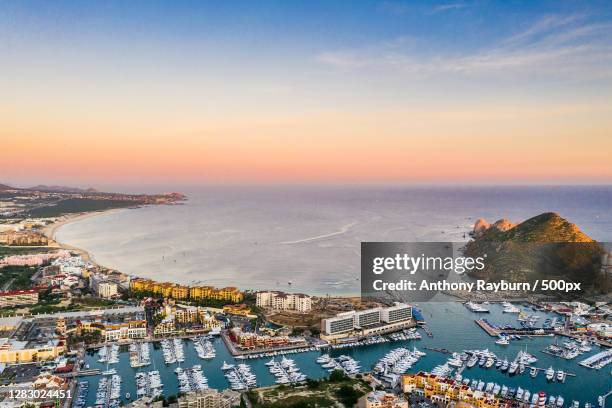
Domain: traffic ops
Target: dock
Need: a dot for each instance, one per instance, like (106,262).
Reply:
(490,330)
(495,332)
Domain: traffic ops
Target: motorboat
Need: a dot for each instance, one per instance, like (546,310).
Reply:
(550,374)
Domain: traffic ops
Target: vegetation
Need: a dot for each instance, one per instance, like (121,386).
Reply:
(337,390)
(15,250)
(16,277)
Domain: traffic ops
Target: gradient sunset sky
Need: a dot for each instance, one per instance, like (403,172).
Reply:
(144,92)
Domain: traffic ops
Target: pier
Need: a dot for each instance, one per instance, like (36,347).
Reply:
(487,328)
(496,332)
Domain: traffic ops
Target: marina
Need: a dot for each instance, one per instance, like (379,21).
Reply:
(173,350)
(454,330)
(139,355)
(204,347)
(191,379)
(285,371)
(148,384)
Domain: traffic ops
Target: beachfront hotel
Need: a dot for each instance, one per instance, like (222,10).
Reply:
(181,292)
(368,322)
(284,301)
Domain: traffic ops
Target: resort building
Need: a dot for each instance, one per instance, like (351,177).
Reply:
(284,301)
(445,391)
(18,298)
(178,292)
(382,399)
(368,322)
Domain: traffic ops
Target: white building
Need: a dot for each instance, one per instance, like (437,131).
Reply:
(378,320)
(107,289)
(284,301)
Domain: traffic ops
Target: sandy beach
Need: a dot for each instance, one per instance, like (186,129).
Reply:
(51,230)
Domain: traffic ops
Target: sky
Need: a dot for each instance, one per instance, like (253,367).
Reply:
(453,92)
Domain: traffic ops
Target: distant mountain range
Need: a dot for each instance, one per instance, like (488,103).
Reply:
(546,246)
(62,189)
(50,189)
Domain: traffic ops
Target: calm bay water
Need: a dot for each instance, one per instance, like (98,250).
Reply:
(265,237)
(453,328)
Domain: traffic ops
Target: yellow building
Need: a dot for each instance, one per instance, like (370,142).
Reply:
(175,291)
(444,390)
(180,292)
(17,353)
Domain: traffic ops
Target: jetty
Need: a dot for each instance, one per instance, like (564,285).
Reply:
(497,331)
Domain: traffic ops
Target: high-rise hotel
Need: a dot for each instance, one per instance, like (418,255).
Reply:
(368,322)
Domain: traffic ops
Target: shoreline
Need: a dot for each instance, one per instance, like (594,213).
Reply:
(50,231)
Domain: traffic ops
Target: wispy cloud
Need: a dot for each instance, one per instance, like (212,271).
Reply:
(448,7)
(556,45)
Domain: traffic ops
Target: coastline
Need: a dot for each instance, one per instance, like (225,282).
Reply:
(50,231)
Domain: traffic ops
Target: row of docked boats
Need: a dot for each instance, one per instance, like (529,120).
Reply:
(598,361)
(345,363)
(149,384)
(285,371)
(140,355)
(81,398)
(191,379)
(277,353)
(475,307)
(109,392)
(204,347)
(518,394)
(173,350)
(397,361)
(510,308)
(241,378)
(109,354)
(569,349)
(409,334)
(363,342)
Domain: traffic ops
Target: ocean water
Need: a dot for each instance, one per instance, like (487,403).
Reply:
(308,238)
(453,328)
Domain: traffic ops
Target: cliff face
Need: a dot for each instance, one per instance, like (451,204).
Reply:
(546,246)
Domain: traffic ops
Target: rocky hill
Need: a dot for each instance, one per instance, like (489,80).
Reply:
(546,246)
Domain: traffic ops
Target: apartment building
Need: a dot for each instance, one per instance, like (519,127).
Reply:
(284,301)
